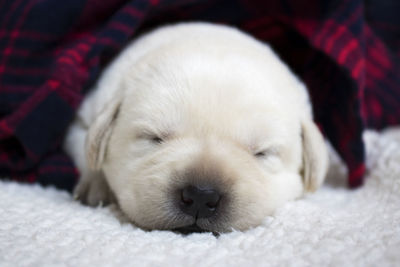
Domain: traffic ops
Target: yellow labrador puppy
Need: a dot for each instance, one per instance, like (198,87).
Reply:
(197,127)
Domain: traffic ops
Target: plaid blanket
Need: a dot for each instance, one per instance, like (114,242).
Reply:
(346,51)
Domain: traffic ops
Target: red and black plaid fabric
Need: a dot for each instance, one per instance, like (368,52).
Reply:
(347,52)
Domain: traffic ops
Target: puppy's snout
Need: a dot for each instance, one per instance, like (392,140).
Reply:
(199,202)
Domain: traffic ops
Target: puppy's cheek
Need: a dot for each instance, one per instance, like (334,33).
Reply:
(250,202)
(286,186)
(143,185)
(254,200)
(149,211)
(142,197)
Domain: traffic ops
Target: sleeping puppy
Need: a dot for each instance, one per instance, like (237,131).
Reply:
(196,127)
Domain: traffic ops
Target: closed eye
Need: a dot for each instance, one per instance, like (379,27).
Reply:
(157,140)
(272,151)
(260,154)
(151,137)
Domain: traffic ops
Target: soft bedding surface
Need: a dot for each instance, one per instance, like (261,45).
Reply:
(333,227)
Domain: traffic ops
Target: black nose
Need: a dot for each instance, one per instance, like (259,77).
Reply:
(198,202)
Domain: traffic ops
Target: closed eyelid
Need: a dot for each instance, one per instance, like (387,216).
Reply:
(151,134)
(144,129)
(145,134)
(270,150)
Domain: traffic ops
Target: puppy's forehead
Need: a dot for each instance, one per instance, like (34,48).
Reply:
(197,101)
(201,95)
(199,75)
(200,87)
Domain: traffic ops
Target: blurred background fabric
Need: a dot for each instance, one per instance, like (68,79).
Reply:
(52,52)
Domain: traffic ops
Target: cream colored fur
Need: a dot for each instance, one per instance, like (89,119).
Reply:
(217,98)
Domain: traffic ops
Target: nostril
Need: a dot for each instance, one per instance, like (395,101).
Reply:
(185,198)
(212,205)
(213,199)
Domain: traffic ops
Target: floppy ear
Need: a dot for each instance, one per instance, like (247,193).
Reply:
(99,134)
(315,156)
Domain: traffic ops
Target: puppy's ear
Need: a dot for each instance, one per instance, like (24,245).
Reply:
(315,156)
(99,134)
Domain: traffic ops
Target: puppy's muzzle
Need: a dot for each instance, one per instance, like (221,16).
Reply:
(201,197)
(199,202)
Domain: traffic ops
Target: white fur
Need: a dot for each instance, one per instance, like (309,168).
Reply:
(216,97)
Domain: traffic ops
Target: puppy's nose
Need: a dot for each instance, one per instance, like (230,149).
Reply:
(198,202)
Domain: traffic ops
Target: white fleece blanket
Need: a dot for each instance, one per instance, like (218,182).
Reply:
(334,227)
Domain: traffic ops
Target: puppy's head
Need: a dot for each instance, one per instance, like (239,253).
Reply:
(206,146)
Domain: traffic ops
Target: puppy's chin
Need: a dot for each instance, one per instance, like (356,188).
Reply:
(193,228)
